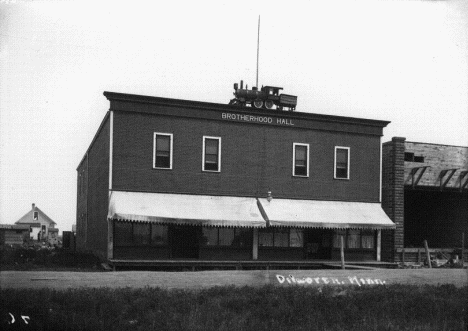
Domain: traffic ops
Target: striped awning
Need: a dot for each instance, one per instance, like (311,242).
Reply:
(185,209)
(325,214)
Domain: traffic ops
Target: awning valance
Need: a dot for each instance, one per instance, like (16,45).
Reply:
(325,214)
(185,209)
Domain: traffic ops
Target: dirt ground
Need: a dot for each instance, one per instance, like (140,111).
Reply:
(205,279)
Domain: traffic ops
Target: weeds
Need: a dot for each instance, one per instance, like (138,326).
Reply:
(395,307)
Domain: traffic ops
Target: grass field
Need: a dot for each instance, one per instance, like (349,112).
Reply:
(394,307)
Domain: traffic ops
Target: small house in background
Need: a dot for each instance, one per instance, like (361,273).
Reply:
(13,234)
(42,227)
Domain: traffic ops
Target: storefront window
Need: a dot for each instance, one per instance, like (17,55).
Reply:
(337,238)
(226,236)
(281,238)
(141,233)
(243,237)
(354,239)
(210,236)
(159,234)
(123,233)
(367,239)
(265,238)
(296,238)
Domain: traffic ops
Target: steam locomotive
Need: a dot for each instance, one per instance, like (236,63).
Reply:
(267,97)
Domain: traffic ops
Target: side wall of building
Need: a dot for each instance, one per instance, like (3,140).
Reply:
(92,206)
(255,158)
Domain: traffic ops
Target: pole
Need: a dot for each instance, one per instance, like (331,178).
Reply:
(426,247)
(258,48)
(462,249)
(342,252)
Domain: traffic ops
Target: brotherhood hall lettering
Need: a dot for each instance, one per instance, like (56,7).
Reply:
(257,119)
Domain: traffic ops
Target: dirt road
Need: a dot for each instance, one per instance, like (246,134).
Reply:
(205,279)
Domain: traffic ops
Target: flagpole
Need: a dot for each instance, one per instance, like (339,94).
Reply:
(258,46)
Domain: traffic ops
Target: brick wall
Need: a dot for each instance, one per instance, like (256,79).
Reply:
(254,159)
(393,168)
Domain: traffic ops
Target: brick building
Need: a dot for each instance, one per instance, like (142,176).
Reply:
(176,180)
(424,191)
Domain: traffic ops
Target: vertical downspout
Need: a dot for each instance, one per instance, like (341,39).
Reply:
(110,228)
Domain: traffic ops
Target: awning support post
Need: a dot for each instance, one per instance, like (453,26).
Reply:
(342,252)
(379,245)
(255,244)
(110,239)
(414,182)
(444,183)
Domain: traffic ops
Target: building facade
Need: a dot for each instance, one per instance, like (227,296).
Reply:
(167,179)
(425,193)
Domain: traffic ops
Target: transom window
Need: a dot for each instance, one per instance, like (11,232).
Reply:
(342,162)
(301,160)
(211,154)
(162,151)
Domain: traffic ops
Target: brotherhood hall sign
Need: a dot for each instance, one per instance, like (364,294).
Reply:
(257,119)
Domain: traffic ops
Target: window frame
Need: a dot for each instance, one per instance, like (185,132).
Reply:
(348,168)
(294,159)
(35,215)
(171,141)
(219,153)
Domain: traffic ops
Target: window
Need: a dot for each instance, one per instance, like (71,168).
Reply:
(43,228)
(139,234)
(211,154)
(162,154)
(409,157)
(35,215)
(227,237)
(301,160)
(341,162)
(158,234)
(280,238)
(357,239)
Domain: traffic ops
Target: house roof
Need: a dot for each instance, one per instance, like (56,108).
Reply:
(29,217)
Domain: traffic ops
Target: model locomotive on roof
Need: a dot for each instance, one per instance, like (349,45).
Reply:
(268,97)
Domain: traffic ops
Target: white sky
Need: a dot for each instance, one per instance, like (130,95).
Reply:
(402,61)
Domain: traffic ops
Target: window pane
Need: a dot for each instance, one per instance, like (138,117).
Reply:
(337,238)
(296,238)
(141,233)
(265,238)
(211,146)
(211,166)
(367,239)
(163,161)
(226,236)
(354,237)
(341,173)
(159,234)
(281,238)
(210,236)
(163,143)
(342,156)
(301,152)
(243,237)
(123,233)
(300,171)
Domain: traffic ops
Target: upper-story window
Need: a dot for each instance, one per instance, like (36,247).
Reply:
(342,162)
(162,153)
(301,160)
(35,215)
(211,154)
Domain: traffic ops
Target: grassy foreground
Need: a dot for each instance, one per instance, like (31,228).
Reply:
(395,307)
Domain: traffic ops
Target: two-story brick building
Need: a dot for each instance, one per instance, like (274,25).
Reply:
(170,180)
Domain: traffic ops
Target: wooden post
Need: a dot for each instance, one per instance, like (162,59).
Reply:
(403,255)
(426,247)
(379,245)
(419,255)
(255,245)
(342,252)
(463,248)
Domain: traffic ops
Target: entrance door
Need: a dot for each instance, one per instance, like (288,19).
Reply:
(185,242)
(318,244)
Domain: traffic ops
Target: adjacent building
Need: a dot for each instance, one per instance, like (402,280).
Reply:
(42,227)
(14,234)
(176,180)
(425,192)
